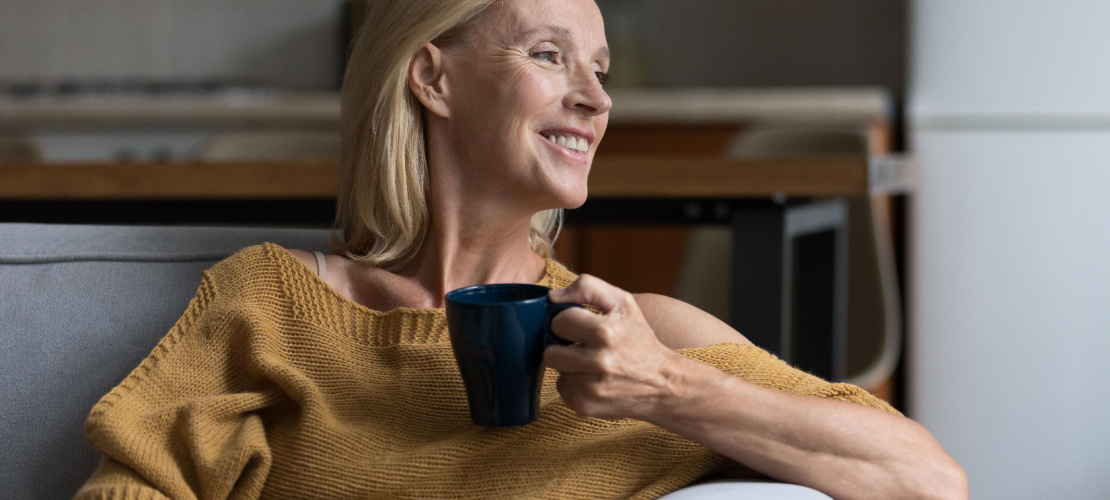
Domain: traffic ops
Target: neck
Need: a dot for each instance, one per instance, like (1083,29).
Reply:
(464,251)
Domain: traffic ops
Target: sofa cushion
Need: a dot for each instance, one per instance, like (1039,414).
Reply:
(80,306)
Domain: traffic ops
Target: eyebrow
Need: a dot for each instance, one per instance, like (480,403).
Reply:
(550,28)
(562,32)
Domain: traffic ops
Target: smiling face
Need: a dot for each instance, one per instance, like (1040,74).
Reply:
(526,108)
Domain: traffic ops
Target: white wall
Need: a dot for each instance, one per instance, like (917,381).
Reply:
(1017,58)
(292,43)
(1009,348)
(1010,329)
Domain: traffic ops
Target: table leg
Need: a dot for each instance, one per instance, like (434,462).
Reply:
(789,282)
(761,277)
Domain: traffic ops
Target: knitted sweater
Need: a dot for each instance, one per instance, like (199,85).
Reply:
(273,385)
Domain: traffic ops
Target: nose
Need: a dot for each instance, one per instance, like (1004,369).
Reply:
(587,95)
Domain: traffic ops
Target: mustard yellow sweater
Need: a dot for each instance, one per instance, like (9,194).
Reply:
(273,385)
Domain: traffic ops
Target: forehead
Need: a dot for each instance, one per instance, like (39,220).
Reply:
(576,20)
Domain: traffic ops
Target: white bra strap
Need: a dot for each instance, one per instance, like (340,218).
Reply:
(321,267)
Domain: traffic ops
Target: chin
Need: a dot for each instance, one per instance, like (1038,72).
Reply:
(563,186)
(576,202)
(571,197)
(561,200)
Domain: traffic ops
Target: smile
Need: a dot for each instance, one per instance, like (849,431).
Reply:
(571,142)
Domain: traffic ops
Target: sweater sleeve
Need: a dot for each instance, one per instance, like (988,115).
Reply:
(762,368)
(184,423)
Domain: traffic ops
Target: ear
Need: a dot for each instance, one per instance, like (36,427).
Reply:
(426,80)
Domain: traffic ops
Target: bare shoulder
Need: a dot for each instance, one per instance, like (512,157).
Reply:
(305,257)
(680,325)
(341,274)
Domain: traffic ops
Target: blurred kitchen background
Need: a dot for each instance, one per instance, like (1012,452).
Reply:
(293,44)
(1004,106)
(100,51)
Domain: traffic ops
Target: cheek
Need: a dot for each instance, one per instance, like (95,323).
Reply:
(528,94)
(545,92)
(504,108)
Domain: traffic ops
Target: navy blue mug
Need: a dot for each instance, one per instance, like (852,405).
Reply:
(498,333)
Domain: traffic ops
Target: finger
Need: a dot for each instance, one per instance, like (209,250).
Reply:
(574,325)
(567,359)
(569,395)
(579,393)
(594,291)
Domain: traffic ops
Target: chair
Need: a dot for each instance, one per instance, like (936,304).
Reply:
(874,335)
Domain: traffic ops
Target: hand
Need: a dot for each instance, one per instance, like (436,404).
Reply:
(618,368)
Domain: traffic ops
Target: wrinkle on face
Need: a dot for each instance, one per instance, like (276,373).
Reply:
(504,48)
(504,94)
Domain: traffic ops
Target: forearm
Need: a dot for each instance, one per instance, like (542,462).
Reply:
(845,450)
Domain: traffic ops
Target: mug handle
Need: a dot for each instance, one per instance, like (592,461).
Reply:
(553,308)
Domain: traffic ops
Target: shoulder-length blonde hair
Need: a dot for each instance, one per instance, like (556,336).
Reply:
(382,210)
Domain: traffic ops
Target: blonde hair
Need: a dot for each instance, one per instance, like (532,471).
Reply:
(382,210)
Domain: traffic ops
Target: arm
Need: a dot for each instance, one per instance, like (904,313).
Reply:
(180,425)
(621,369)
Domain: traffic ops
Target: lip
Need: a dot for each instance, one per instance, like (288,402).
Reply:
(589,136)
(572,155)
(569,131)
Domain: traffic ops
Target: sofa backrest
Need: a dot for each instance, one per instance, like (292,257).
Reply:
(80,306)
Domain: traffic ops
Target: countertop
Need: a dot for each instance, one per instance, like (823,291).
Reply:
(817,106)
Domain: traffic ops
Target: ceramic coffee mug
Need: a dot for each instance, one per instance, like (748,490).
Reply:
(498,333)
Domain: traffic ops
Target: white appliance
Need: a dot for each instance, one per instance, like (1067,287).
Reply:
(1009,301)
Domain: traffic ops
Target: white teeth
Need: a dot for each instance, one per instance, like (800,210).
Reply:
(570,142)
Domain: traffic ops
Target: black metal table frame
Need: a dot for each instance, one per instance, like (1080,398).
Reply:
(789,268)
(789,257)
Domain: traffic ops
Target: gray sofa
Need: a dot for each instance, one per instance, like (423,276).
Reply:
(80,306)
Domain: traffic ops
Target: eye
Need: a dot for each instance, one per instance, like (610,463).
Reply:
(551,56)
(602,77)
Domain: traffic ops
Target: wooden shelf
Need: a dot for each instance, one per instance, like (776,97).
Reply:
(614,176)
(716,177)
(128,181)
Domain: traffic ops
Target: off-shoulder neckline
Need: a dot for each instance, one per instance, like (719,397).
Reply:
(290,263)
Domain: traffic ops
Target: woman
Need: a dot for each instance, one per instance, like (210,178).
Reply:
(466,124)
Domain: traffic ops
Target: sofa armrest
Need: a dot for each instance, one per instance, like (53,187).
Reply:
(748,489)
